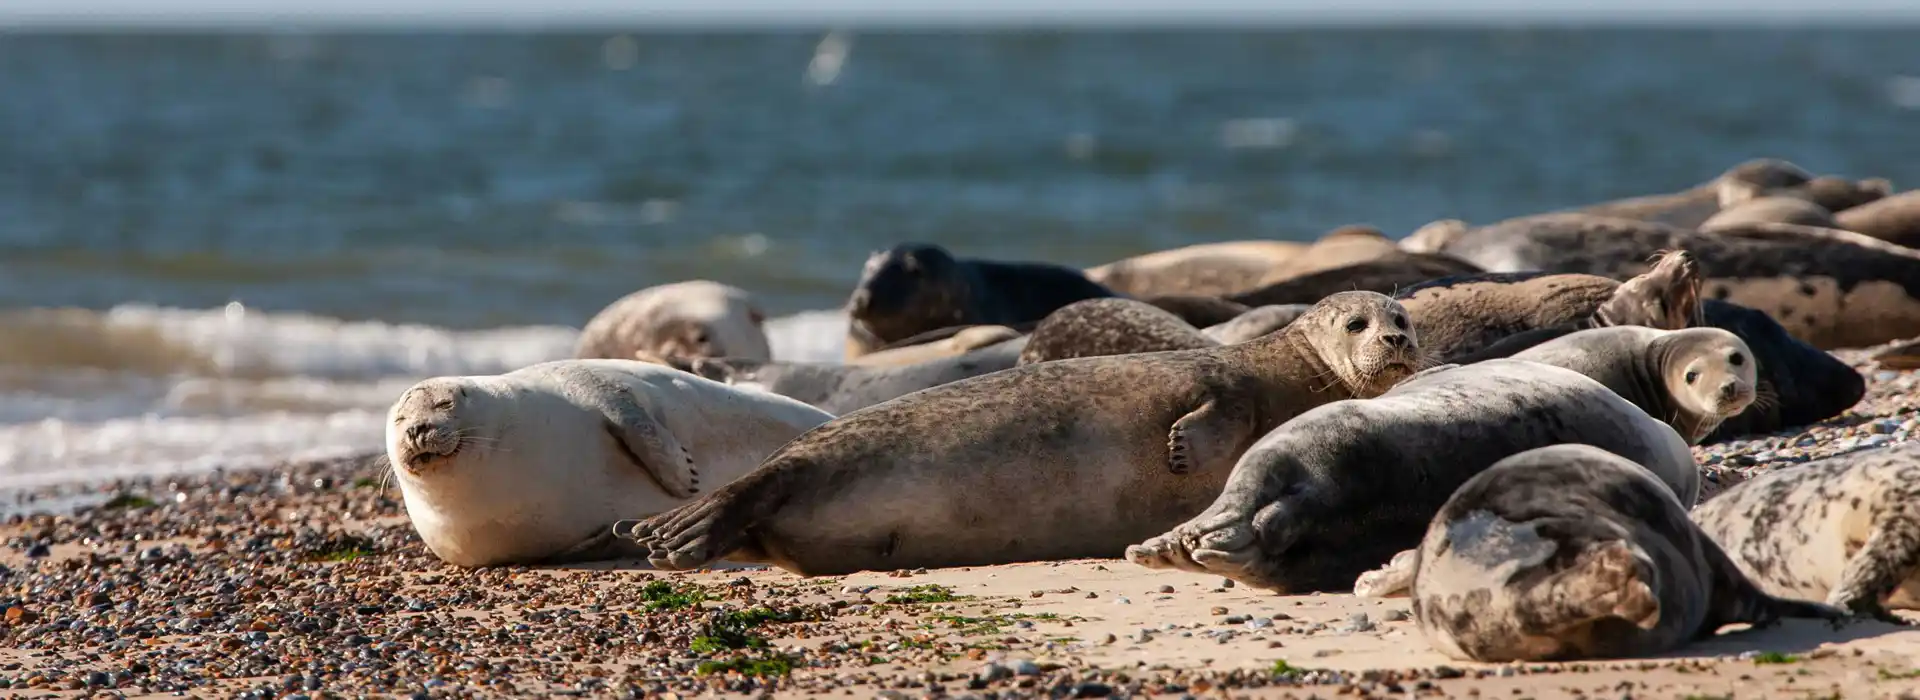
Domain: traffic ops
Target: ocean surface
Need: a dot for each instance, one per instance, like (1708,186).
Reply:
(228,251)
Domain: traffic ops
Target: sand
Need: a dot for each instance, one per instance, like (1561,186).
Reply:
(306,581)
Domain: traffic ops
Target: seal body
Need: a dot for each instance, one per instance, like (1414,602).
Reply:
(1097,327)
(1895,219)
(1571,552)
(1341,488)
(1829,287)
(1467,314)
(534,465)
(1845,530)
(1386,274)
(1693,378)
(1210,269)
(1692,206)
(1257,322)
(1054,460)
(1771,210)
(698,318)
(963,340)
(840,389)
(914,288)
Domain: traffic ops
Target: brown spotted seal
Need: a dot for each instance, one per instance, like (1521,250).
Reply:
(1693,378)
(697,318)
(1895,219)
(529,466)
(1572,552)
(1845,530)
(1832,288)
(1341,488)
(971,473)
(914,288)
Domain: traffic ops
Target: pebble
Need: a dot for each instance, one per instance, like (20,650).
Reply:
(1358,622)
(1395,616)
(1260,623)
(1166,589)
(1025,667)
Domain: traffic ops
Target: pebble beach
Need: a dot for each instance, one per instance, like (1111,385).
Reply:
(306,581)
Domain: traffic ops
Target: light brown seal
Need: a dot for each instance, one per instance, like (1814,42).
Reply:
(1778,209)
(532,465)
(971,473)
(1895,219)
(697,318)
(1572,552)
(1257,322)
(962,341)
(1845,530)
(1099,327)
(1341,488)
(1693,378)
(914,288)
(1211,269)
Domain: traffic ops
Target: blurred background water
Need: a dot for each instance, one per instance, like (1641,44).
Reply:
(233,249)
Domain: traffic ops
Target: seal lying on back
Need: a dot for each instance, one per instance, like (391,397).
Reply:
(533,465)
(1213,269)
(841,389)
(1693,378)
(1571,552)
(1098,327)
(1895,219)
(972,473)
(1845,530)
(1343,487)
(1461,316)
(1829,287)
(690,319)
(918,287)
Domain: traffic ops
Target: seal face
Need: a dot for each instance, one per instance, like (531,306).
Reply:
(690,319)
(1845,530)
(1829,287)
(1571,552)
(1694,378)
(1097,327)
(971,473)
(914,288)
(536,464)
(1342,487)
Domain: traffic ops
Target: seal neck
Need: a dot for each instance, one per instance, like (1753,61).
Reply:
(1287,359)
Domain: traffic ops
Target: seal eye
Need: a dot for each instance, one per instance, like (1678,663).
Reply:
(1400,322)
(443,405)
(1356,324)
(1737,359)
(1692,376)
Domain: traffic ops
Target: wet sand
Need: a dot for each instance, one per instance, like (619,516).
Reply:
(306,580)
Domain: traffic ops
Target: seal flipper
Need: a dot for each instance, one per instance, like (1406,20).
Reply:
(1394,580)
(1735,600)
(1207,436)
(1889,556)
(652,448)
(1609,581)
(716,526)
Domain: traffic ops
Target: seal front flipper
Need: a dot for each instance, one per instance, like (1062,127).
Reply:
(1390,581)
(1888,558)
(1207,436)
(652,448)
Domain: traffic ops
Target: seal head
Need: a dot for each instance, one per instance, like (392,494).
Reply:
(697,318)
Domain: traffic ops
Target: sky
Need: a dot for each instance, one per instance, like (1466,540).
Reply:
(592,12)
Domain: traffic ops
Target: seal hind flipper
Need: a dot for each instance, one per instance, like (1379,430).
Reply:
(1395,580)
(1609,581)
(1888,557)
(1736,600)
(716,526)
(1207,436)
(654,449)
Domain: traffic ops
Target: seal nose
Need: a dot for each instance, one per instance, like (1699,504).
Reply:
(1398,340)
(1729,390)
(418,431)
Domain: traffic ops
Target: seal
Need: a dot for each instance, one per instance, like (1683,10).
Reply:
(1831,288)
(1776,209)
(1571,552)
(913,288)
(963,340)
(1694,205)
(1845,530)
(1693,378)
(1385,274)
(697,318)
(842,389)
(971,473)
(1341,488)
(1462,315)
(1207,269)
(1257,322)
(1099,327)
(1894,219)
(531,466)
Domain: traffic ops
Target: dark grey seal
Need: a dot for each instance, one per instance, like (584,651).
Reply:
(914,288)
(1341,488)
(1693,378)
(1054,460)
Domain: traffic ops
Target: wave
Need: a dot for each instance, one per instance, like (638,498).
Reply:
(142,390)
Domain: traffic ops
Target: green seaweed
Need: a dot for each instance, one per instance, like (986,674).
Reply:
(763,665)
(927,593)
(661,595)
(1774,657)
(126,501)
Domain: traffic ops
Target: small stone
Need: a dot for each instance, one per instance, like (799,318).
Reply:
(1092,690)
(1026,667)
(1762,457)
(1143,636)
(99,679)
(1218,610)
(1260,623)
(1091,594)
(1358,622)
(1226,583)
(1234,620)
(1109,639)
(1122,600)
(1023,624)
(992,672)
(1395,616)
(37,551)
(1166,589)
(1444,672)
